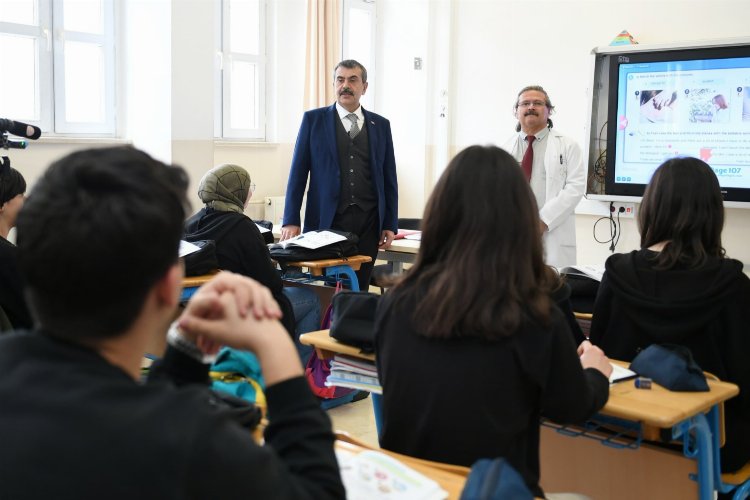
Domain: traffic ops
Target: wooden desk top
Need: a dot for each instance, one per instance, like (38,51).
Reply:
(451,482)
(656,407)
(404,246)
(327,347)
(316,267)
(662,408)
(192,281)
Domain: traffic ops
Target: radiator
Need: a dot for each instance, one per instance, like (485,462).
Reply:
(275,209)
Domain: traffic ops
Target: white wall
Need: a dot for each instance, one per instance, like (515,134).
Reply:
(499,46)
(480,52)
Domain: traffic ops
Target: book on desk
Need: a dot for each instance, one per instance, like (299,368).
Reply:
(354,373)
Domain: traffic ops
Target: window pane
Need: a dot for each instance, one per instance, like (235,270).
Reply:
(359,44)
(84,83)
(243,89)
(244,26)
(83,15)
(18,11)
(18,78)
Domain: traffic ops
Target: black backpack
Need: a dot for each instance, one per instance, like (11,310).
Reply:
(295,253)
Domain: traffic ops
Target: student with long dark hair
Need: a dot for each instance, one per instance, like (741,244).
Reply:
(12,191)
(470,339)
(679,288)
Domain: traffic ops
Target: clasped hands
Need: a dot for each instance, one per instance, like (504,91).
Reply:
(230,310)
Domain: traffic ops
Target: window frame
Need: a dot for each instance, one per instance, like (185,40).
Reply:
(50,106)
(222,126)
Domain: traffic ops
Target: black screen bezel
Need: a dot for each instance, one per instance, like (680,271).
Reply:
(683,54)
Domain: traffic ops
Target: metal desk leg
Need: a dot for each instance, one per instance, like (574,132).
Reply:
(377,409)
(346,271)
(703,451)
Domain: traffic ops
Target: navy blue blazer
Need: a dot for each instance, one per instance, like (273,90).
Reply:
(316,155)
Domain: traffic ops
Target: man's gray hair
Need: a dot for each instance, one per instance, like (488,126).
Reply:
(547,102)
(351,64)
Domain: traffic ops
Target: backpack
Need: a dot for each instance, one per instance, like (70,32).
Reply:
(317,370)
(201,261)
(282,253)
(495,479)
(238,373)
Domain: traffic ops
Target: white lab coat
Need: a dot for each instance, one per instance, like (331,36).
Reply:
(565,186)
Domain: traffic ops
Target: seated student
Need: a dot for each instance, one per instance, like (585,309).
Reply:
(679,288)
(98,241)
(240,247)
(12,189)
(472,333)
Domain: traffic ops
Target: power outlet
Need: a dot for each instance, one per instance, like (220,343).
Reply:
(624,210)
(601,208)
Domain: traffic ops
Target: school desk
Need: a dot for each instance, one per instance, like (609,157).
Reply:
(401,252)
(690,417)
(344,266)
(681,413)
(451,478)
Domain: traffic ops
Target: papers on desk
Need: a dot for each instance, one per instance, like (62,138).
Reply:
(374,475)
(262,229)
(312,239)
(408,234)
(620,373)
(355,373)
(186,248)
(589,271)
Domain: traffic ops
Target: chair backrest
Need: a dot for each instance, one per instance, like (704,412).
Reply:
(412,224)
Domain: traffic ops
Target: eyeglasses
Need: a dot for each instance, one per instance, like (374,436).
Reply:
(528,104)
(252,187)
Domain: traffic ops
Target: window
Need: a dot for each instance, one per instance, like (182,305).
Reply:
(242,70)
(57,64)
(358,40)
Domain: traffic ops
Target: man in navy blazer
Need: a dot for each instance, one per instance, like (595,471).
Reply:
(348,154)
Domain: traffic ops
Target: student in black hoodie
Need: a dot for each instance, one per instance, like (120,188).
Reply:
(240,248)
(12,194)
(679,288)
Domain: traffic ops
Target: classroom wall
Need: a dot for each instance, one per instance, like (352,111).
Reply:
(499,46)
(476,55)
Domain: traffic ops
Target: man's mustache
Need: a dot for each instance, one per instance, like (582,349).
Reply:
(531,112)
(346,91)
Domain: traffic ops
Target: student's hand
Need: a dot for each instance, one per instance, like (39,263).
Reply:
(542,227)
(248,293)
(386,238)
(215,320)
(583,345)
(288,232)
(593,357)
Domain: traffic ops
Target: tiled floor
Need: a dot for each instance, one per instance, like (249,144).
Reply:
(357,419)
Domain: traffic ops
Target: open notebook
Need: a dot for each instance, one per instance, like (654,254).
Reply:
(620,373)
(374,475)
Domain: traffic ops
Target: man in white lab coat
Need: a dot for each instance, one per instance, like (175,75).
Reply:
(553,164)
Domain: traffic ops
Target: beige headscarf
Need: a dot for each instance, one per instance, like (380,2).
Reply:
(225,188)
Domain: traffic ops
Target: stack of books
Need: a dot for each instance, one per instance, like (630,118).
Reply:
(356,373)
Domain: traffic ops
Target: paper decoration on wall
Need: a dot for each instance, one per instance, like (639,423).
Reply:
(624,38)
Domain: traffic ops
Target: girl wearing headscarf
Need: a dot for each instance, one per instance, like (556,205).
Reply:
(12,190)
(240,247)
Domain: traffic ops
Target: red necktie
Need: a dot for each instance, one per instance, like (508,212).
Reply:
(528,157)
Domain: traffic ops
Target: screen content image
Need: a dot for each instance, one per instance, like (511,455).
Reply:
(671,108)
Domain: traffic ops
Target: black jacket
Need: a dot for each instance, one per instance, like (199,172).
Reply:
(73,426)
(11,287)
(705,309)
(240,248)
(461,399)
